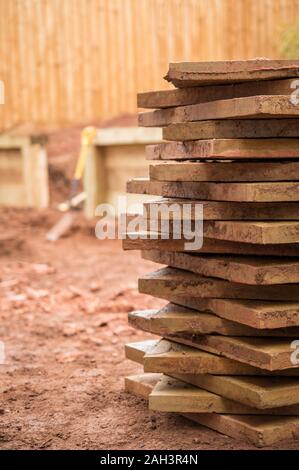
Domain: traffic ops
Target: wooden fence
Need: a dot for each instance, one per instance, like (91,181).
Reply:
(70,61)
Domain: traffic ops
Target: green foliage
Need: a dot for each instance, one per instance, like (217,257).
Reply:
(289,45)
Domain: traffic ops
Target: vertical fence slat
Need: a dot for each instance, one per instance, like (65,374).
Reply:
(77,60)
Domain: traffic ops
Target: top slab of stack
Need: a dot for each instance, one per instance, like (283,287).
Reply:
(188,74)
(212,81)
(248,99)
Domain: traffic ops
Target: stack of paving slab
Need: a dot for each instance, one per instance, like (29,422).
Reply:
(228,354)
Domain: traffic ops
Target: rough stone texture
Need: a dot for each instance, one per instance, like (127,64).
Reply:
(189,74)
(174,358)
(264,393)
(218,210)
(238,192)
(147,240)
(225,171)
(260,431)
(253,313)
(242,269)
(231,129)
(222,149)
(175,320)
(272,354)
(183,283)
(253,232)
(173,395)
(185,96)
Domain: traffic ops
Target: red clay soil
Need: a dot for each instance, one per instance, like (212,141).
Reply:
(64,323)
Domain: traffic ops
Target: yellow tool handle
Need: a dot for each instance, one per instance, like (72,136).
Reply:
(81,162)
(87,138)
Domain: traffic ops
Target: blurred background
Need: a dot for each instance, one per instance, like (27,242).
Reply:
(71,63)
(74,61)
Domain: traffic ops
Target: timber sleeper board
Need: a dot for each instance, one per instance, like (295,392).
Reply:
(136,351)
(203,94)
(191,210)
(169,357)
(272,354)
(241,269)
(218,226)
(226,171)
(147,240)
(189,74)
(175,320)
(251,107)
(258,430)
(263,393)
(175,396)
(141,384)
(184,283)
(175,358)
(234,192)
(172,395)
(255,314)
(174,208)
(222,149)
(232,129)
(253,232)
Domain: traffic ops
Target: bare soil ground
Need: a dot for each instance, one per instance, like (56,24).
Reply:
(63,319)
(64,323)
